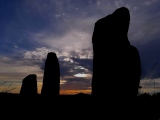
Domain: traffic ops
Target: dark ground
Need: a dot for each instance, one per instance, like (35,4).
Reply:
(144,107)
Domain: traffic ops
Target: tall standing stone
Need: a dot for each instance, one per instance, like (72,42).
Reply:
(116,63)
(51,78)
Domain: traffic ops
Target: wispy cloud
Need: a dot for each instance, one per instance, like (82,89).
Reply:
(149,2)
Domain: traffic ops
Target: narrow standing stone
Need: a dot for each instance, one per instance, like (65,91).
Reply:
(51,78)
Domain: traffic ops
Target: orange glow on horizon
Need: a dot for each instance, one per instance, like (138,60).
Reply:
(73,92)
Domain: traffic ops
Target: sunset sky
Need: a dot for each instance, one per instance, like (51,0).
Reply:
(29,29)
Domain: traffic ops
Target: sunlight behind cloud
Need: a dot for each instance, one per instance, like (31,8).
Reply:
(82,75)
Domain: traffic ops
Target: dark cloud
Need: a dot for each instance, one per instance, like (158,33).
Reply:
(77,83)
(70,69)
(67,68)
(79,80)
(86,63)
(150,57)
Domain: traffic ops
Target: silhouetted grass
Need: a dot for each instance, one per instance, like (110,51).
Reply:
(7,90)
(147,78)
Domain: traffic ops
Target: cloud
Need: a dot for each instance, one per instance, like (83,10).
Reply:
(81,75)
(149,2)
(119,3)
(87,63)
(14,70)
(77,83)
(150,86)
(70,41)
(74,39)
(71,63)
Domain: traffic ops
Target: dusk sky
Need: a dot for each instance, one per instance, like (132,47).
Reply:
(29,29)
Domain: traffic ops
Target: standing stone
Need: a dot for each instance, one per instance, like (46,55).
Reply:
(29,85)
(51,78)
(116,63)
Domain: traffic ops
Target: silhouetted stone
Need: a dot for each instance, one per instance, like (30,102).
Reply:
(116,63)
(51,78)
(29,85)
